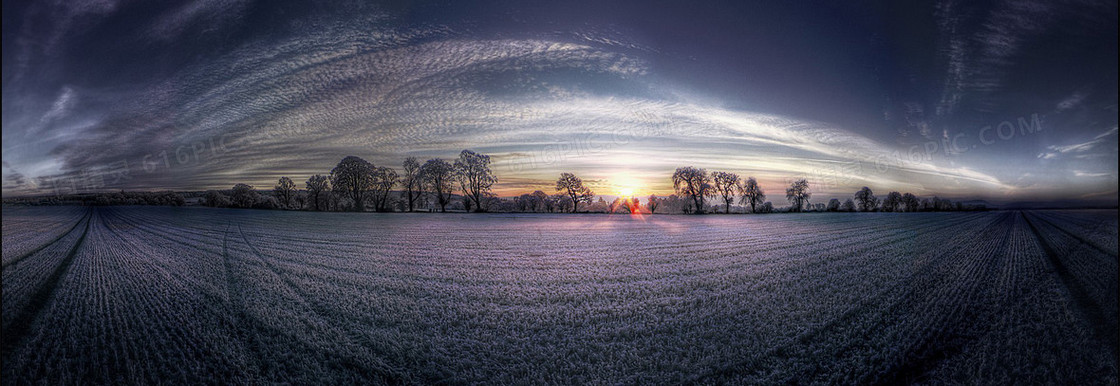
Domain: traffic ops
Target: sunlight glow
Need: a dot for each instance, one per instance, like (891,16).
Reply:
(627,186)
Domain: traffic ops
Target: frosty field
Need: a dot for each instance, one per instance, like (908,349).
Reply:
(190,295)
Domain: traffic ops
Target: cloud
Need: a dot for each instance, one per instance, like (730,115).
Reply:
(1106,134)
(208,15)
(1071,101)
(1081,173)
(280,104)
(295,106)
(61,107)
(14,181)
(1058,150)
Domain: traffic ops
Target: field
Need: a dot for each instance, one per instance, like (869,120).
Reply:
(198,295)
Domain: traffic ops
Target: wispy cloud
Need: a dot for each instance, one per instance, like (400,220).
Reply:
(588,101)
(62,106)
(1071,102)
(209,15)
(1057,150)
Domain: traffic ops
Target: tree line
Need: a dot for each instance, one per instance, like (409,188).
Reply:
(355,184)
(465,184)
(694,185)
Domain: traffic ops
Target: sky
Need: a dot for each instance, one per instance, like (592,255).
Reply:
(999,100)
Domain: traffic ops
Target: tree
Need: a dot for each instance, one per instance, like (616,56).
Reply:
(942,204)
(866,199)
(599,206)
(848,206)
(540,201)
(573,187)
(767,207)
(727,184)
(383,180)
(892,202)
(354,177)
(752,194)
(316,185)
(413,184)
(694,183)
(243,196)
(474,175)
(563,202)
(300,198)
(524,202)
(652,203)
(438,175)
(632,205)
(798,194)
(614,205)
(833,205)
(216,199)
(910,202)
(550,201)
(284,190)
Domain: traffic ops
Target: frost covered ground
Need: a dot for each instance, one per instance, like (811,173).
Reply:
(188,295)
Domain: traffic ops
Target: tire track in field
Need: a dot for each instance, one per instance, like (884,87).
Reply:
(241,325)
(350,362)
(1072,235)
(806,337)
(15,260)
(1089,308)
(20,326)
(943,339)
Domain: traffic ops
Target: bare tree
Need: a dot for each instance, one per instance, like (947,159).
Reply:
(866,199)
(316,185)
(727,184)
(284,190)
(652,204)
(474,175)
(384,179)
(438,175)
(354,176)
(752,194)
(573,187)
(848,206)
(798,194)
(413,184)
(694,183)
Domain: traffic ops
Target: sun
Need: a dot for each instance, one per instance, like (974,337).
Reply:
(627,186)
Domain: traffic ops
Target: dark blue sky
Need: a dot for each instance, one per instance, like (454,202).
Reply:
(997,100)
